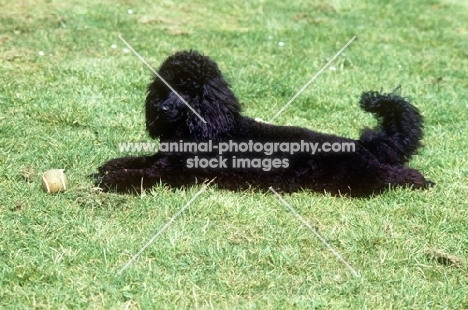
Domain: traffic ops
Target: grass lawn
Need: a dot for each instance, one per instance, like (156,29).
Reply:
(71,91)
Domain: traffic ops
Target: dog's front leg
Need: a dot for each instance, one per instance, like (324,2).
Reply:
(128,180)
(167,169)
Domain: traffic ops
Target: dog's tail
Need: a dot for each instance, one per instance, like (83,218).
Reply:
(400,129)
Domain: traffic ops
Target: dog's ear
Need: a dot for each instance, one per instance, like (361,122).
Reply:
(220,109)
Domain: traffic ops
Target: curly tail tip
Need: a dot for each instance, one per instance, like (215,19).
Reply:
(390,105)
(382,103)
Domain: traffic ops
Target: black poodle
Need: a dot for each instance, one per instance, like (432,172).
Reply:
(217,142)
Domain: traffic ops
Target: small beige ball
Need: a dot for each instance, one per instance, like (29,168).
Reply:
(54,181)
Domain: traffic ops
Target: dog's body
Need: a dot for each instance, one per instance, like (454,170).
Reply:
(376,163)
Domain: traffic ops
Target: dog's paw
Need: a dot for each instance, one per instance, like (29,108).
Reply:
(124,181)
(106,183)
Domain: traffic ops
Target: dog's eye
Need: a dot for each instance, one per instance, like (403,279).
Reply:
(164,107)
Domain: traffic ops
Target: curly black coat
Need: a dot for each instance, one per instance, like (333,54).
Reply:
(377,162)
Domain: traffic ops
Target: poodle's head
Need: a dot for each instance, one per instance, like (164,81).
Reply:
(198,80)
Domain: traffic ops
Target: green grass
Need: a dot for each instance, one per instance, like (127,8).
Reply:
(72,106)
